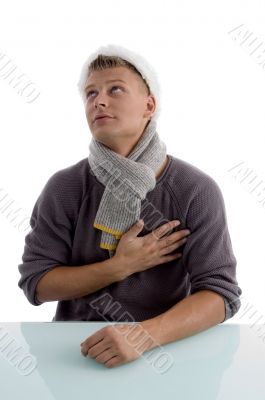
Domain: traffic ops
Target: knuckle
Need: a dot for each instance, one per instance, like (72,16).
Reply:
(162,230)
(108,330)
(156,234)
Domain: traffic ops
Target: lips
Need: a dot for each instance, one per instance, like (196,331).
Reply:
(102,117)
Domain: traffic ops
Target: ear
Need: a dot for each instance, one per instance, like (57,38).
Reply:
(150,106)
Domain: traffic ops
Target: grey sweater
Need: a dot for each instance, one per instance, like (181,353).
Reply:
(63,234)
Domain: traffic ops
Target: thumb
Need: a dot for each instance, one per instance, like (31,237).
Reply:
(140,223)
(136,228)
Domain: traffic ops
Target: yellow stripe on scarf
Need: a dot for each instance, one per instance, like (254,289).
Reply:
(107,246)
(116,233)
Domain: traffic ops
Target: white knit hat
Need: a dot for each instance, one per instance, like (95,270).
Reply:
(140,63)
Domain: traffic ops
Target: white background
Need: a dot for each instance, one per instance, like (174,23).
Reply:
(212,112)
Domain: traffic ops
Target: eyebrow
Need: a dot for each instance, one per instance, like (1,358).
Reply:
(111,80)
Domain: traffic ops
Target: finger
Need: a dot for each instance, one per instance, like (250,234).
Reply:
(97,349)
(114,361)
(92,340)
(175,236)
(170,257)
(162,230)
(105,356)
(85,348)
(135,229)
(172,247)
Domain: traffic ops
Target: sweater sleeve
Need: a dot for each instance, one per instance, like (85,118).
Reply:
(208,254)
(49,242)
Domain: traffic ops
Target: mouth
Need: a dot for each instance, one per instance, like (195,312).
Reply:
(103,119)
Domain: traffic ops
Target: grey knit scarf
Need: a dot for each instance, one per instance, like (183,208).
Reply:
(127,180)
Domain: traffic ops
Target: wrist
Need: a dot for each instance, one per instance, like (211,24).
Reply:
(151,326)
(118,265)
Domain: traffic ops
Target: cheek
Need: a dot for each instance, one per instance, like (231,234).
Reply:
(87,109)
(137,106)
(133,106)
(88,112)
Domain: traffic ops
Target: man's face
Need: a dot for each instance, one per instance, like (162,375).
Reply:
(125,99)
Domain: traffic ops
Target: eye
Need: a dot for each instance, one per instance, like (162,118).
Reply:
(91,91)
(88,93)
(116,87)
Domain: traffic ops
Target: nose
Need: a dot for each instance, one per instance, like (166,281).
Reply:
(99,105)
(100,100)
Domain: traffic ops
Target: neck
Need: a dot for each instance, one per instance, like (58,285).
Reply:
(162,168)
(124,146)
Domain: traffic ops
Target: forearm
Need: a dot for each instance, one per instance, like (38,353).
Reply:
(191,315)
(70,282)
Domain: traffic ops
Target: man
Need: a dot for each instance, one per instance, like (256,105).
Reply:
(87,249)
